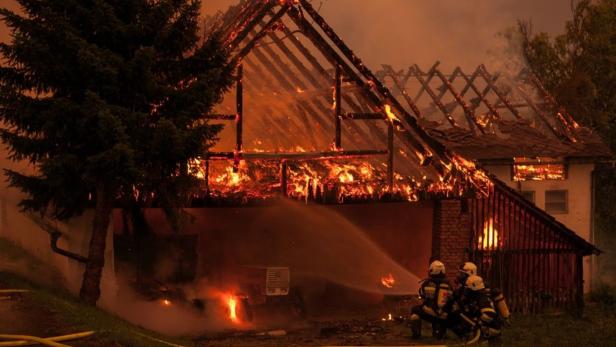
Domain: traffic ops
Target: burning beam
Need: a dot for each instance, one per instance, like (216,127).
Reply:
(295,155)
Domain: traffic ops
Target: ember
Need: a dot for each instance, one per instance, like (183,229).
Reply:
(388,318)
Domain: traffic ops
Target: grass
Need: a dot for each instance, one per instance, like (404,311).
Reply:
(597,327)
(110,330)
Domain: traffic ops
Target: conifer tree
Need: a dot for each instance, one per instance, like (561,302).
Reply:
(106,99)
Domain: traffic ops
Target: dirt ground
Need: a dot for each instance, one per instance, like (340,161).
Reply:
(361,327)
(341,333)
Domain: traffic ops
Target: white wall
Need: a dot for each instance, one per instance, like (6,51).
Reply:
(579,187)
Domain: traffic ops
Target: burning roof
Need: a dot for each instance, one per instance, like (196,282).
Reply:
(491,116)
(304,97)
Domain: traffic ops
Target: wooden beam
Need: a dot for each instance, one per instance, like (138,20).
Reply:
(294,155)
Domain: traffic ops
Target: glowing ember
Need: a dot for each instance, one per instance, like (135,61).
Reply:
(299,90)
(232,306)
(489,239)
(388,281)
(389,317)
(165,302)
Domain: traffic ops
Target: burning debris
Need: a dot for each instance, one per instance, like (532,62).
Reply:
(388,281)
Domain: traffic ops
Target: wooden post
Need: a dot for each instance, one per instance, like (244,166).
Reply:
(338,108)
(390,156)
(206,175)
(239,109)
(239,118)
(283,177)
(579,279)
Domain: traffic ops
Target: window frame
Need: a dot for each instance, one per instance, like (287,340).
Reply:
(566,193)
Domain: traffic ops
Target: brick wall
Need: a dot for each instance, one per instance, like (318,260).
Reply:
(451,234)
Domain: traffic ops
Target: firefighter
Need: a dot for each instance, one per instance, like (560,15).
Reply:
(468,269)
(478,313)
(435,292)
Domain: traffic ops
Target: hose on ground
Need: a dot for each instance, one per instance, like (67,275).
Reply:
(24,340)
(13,291)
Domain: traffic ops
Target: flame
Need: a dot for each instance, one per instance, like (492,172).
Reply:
(489,240)
(389,317)
(232,306)
(388,281)
(165,302)
(539,172)
(299,90)
(390,114)
(334,98)
(197,168)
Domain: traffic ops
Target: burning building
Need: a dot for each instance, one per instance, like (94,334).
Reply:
(514,129)
(308,121)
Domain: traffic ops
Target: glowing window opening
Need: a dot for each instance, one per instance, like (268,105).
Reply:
(538,169)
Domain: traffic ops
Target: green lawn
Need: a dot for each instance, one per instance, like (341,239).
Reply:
(110,330)
(597,327)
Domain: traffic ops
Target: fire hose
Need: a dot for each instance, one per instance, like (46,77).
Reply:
(26,340)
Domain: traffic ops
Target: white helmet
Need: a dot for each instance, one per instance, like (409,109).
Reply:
(437,268)
(469,268)
(475,283)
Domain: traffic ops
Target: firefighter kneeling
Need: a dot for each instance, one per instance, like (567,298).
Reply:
(477,313)
(435,292)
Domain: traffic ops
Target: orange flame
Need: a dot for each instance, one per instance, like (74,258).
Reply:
(388,281)
(389,317)
(232,305)
(489,240)
(390,114)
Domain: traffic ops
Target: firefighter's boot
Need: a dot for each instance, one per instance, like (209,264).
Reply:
(415,323)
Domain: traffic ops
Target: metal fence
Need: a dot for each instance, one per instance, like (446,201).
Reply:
(523,251)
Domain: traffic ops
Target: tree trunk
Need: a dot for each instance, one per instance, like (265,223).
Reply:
(90,287)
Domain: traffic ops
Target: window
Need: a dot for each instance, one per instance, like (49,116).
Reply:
(539,169)
(529,195)
(556,201)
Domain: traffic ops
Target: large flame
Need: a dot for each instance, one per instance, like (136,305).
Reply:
(232,306)
(489,240)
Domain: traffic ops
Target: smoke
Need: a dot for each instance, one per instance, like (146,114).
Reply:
(316,242)
(456,32)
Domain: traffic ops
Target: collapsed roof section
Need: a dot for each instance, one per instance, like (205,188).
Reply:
(489,116)
(302,95)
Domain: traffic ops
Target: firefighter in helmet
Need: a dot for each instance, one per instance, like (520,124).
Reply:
(435,292)
(469,269)
(455,318)
(478,313)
